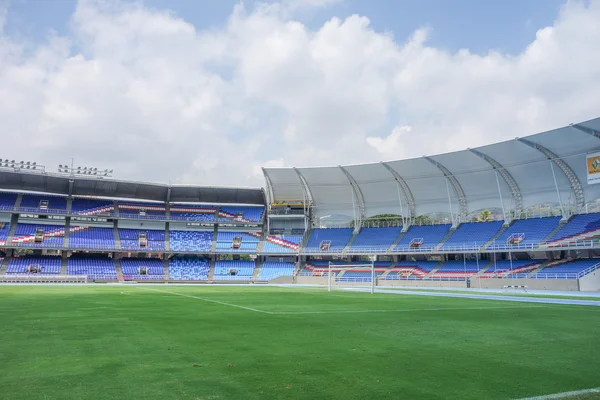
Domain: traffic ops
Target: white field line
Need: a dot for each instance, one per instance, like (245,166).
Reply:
(209,300)
(333,311)
(563,395)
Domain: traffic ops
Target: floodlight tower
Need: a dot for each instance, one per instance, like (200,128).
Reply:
(89,172)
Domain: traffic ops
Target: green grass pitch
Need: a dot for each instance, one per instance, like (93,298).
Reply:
(240,342)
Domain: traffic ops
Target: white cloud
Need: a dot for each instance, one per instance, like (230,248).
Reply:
(152,96)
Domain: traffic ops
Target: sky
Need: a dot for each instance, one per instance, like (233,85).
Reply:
(207,92)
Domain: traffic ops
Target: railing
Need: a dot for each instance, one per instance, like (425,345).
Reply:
(23,278)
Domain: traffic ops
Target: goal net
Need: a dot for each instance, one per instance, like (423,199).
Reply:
(352,275)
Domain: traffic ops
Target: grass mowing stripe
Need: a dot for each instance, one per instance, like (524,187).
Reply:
(209,300)
(564,394)
(404,310)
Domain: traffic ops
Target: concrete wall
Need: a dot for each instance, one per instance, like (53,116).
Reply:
(533,284)
(424,283)
(283,280)
(590,282)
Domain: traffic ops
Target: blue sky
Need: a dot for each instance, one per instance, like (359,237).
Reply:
(479,25)
(169,96)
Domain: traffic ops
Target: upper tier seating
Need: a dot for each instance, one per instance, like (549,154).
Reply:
(91,238)
(7,201)
(96,268)
(130,239)
(48,264)
(131,269)
(224,270)
(271,270)
(328,240)
(4,229)
(431,236)
(375,239)
(472,235)
(91,207)
(225,242)
(134,210)
(568,270)
(533,231)
(579,224)
(188,269)
(186,212)
(248,214)
(25,235)
(190,240)
(34,203)
(281,244)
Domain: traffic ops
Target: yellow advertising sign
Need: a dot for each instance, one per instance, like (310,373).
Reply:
(593,168)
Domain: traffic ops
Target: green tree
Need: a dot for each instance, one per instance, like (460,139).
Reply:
(484,216)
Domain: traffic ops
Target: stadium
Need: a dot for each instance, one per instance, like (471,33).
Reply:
(472,274)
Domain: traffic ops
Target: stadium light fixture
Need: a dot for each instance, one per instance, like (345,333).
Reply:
(5,163)
(83,171)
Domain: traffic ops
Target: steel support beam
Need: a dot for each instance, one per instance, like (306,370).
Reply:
(565,168)
(508,178)
(71,182)
(168,200)
(360,200)
(587,130)
(270,195)
(462,199)
(410,199)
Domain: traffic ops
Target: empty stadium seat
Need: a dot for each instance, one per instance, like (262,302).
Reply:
(130,239)
(225,242)
(241,213)
(375,239)
(472,235)
(190,240)
(43,204)
(271,270)
(7,201)
(185,212)
(282,244)
(579,224)
(569,270)
(4,229)
(233,270)
(48,264)
(95,268)
(328,240)
(91,207)
(132,267)
(429,235)
(188,269)
(533,231)
(84,237)
(25,235)
(142,210)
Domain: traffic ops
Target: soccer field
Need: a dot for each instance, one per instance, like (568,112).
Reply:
(240,342)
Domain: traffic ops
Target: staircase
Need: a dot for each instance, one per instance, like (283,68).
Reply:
(211,271)
(14,220)
(298,269)
(261,243)
(280,242)
(398,239)
(562,223)
(63,263)
(67,233)
(4,265)
(434,270)
(18,201)
(445,238)
(166,265)
(256,271)
(350,242)
(213,246)
(119,270)
(496,236)
(304,240)
(386,272)
(483,270)
(116,234)
(547,264)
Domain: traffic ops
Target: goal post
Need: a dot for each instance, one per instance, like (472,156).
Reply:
(334,269)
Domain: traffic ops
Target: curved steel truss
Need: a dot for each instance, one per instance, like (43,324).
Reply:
(462,199)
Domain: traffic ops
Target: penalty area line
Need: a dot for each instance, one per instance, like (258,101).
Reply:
(209,300)
(563,394)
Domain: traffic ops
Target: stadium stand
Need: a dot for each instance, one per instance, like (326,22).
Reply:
(188,269)
(87,237)
(131,239)
(22,265)
(271,270)
(321,268)
(525,233)
(242,214)
(237,242)
(142,210)
(410,270)
(43,204)
(580,227)
(282,244)
(134,268)
(422,238)
(472,235)
(328,240)
(568,270)
(190,240)
(4,230)
(375,239)
(186,212)
(91,207)
(233,270)
(510,266)
(100,268)
(7,201)
(25,236)
(458,269)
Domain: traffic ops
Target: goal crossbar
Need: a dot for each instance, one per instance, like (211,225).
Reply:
(370,266)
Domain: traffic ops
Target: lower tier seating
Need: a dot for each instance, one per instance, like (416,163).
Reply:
(133,269)
(46,264)
(188,269)
(233,270)
(96,268)
(271,270)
